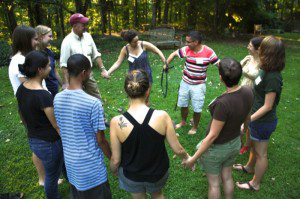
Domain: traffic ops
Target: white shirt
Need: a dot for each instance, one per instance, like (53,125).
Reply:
(73,44)
(14,73)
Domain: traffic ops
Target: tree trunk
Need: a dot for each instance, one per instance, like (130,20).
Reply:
(192,14)
(159,11)
(166,12)
(135,14)
(78,6)
(103,12)
(154,13)
(125,15)
(57,29)
(87,4)
(39,14)
(10,17)
(61,16)
(30,11)
(171,12)
(216,20)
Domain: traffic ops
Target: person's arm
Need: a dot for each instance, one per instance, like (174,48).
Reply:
(65,81)
(65,53)
(171,57)
(103,143)
(58,77)
(173,140)
(246,123)
(120,60)
(268,104)
(50,115)
(215,129)
(149,46)
(115,147)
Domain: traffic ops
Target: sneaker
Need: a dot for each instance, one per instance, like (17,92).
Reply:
(243,150)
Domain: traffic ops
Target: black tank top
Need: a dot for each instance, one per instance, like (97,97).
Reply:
(144,156)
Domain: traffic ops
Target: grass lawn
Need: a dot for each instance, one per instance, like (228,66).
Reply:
(18,174)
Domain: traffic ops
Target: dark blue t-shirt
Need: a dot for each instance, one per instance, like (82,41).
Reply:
(51,80)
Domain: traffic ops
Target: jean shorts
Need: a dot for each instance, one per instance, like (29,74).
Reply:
(194,92)
(219,156)
(141,187)
(261,131)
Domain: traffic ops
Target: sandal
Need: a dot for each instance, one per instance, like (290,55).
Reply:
(243,150)
(240,167)
(250,187)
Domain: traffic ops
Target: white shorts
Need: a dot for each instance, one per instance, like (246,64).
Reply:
(194,92)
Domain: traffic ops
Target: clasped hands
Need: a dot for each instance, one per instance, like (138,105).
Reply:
(189,163)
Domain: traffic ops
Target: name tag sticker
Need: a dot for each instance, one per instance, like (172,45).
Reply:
(257,80)
(131,59)
(199,60)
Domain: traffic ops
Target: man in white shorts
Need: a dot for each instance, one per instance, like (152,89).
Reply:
(192,86)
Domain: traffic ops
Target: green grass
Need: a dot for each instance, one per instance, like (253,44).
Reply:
(17,172)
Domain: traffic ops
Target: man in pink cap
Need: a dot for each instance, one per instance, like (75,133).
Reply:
(78,41)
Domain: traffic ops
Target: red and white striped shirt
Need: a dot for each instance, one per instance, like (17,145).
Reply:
(196,63)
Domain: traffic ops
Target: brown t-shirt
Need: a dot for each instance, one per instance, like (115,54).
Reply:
(232,108)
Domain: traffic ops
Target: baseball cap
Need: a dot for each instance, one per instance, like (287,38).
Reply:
(78,18)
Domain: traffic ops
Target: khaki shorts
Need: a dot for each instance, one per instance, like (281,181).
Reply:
(91,87)
(219,156)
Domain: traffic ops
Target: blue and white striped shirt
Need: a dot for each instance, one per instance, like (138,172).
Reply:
(79,117)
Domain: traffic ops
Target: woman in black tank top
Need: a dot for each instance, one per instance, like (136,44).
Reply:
(139,156)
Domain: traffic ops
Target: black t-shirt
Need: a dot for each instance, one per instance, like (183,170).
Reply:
(31,103)
(232,108)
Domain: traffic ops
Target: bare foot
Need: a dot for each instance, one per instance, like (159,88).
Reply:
(192,131)
(181,124)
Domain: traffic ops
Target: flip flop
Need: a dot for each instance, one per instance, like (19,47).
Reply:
(177,126)
(192,132)
(240,167)
(250,187)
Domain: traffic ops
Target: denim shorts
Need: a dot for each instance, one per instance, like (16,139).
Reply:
(218,156)
(194,92)
(141,187)
(261,131)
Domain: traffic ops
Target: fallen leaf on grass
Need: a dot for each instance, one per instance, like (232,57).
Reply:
(7,140)
(273,179)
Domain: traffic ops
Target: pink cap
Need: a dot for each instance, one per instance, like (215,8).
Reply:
(78,18)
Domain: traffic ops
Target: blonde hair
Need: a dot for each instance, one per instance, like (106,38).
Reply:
(42,31)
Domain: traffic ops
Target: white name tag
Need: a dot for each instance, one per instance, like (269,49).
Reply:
(257,80)
(131,59)
(199,60)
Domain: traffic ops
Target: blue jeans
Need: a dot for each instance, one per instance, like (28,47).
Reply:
(51,155)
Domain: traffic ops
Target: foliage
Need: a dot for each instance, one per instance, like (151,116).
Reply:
(5,53)
(17,172)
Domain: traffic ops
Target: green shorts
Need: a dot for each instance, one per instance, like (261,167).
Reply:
(219,156)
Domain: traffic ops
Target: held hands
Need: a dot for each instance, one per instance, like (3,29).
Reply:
(105,74)
(189,163)
(242,129)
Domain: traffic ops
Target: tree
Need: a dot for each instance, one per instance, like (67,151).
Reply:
(103,12)
(154,12)
(10,17)
(82,7)
(166,12)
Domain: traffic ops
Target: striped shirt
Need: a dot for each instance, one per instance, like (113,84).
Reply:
(196,64)
(79,117)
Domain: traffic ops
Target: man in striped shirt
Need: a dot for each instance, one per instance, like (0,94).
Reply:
(197,58)
(81,123)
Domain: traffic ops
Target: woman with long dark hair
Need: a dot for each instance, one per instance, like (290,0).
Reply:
(36,110)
